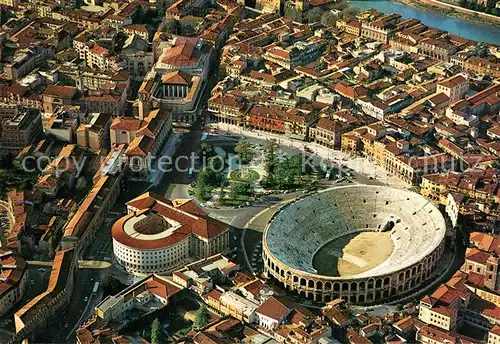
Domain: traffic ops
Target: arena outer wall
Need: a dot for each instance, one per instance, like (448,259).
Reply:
(374,289)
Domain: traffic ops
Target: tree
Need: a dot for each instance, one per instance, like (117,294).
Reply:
(350,13)
(207,149)
(201,318)
(171,26)
(161,7)
(341,5)
(187,28)
(156,332)
(27,185)
(285,173)
(314,15)
(82,185)
(244,151)
(241,188)
(111,286)
(328,19)
(270,156)
(208,176)
(292,14)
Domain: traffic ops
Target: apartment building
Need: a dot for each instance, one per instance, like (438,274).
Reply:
(353,27)
(99,58)
(85,79)
(61,127)
(483,264)
(475,183)
(494,335)
(229,302)
(229,109)
(436,48)
(13,279)
(20,131)
(268,6)
(483,66)
(433,335)
(79,231)
(440,309)
(381,29)
(26,60)
(57,96)
(454,87)
(291,122)
(201,276)
(44,308)
(297,54)
(153,290)
(328,132)
(144,139)
(110,99)
(8,111)
(95,133)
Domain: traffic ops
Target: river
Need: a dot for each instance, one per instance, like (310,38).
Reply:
(460,27)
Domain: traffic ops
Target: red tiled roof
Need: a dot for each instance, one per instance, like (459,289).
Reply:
(496,330)
(214,294)
(446,311)
(98,50)
(452,82)
(486,242)
(60,91)
(476,255)
(274,309)
(160,287)
(185,54)
(129,124)
(191,223)
(176,78)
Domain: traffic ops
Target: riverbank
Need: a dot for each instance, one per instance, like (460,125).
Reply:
(453,11)
(438,18)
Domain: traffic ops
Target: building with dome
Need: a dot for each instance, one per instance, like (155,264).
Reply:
(159,235)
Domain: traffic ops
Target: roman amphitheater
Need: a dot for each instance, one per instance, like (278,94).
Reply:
(365,244)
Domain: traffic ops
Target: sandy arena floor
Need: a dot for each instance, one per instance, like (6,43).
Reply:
(353,254)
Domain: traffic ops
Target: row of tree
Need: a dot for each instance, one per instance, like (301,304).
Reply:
(473,5)
(159,336)
(244,151)
(178,27)
(285,173)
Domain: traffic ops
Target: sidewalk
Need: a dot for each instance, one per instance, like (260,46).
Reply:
(358,164)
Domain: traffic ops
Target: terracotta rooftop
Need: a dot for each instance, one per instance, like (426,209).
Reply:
(176,78)
(274,309)
(66,92)
(190,220)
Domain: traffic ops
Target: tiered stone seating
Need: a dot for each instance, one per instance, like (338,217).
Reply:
(299,230)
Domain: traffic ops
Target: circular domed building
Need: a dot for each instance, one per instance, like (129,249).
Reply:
(365,244)
(159,235)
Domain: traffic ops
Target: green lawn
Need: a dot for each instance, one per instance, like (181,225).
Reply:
(244,175)
(233,201)
(204,193)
